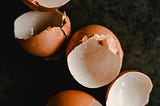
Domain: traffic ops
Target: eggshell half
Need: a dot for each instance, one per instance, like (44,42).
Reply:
(73,98)
(90,63)
(42,33)
(45,5)
(129,89)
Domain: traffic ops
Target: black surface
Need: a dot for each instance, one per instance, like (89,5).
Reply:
(26,80)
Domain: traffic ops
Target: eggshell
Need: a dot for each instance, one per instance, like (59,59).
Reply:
(91,64)
(42,33)
(45,5)
(89,30)
(73,98)
(130,88)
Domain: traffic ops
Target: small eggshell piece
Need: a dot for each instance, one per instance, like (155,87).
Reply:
(130,89)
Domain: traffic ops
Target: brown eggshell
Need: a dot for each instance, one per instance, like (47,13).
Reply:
(90,30)
(47,42)
(36,5)
(94,56)
(72,98)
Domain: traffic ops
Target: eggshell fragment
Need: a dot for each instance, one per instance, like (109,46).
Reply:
(45,5)
(91,62)
(129,89)
(42,33)
(73,98)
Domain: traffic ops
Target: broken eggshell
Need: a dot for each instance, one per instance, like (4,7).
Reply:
(94,56)
(45,5)
(42,33)
(130,88)
(72,98)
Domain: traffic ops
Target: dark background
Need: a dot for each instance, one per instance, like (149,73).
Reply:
(27,80)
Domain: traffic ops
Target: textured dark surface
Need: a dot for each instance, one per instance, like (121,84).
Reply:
(26,80)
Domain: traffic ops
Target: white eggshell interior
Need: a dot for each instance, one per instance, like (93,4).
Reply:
(92,65)
(52,3)
(131,89)
(34,22)
(95,103)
